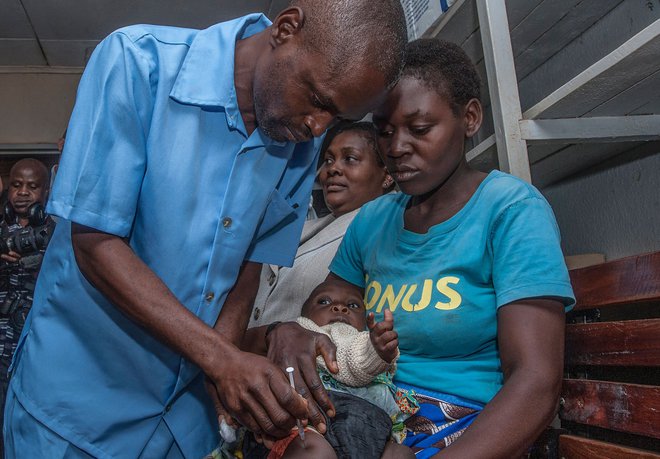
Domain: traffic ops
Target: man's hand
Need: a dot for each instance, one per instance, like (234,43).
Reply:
(11,256)
(249,388)
(256,393)
(290,345)
(383,336)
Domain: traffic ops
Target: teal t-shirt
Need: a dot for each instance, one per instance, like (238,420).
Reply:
(444,287)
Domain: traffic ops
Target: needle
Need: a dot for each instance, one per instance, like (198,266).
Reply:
(301,430)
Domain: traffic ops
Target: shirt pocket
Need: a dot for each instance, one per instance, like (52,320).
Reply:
(279,212)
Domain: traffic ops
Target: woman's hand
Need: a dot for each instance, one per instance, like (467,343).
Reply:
(383,336)
(290,345)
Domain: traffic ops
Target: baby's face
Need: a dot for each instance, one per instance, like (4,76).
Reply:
(336,302)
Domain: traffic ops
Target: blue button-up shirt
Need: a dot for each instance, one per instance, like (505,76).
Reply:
(156,152)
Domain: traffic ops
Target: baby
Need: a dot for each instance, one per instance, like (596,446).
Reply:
(366,402)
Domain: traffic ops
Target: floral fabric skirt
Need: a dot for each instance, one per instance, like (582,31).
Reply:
(441,419)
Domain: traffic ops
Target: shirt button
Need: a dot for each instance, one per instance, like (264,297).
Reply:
(168,407)
(210,296)
(226,222)
(257,313)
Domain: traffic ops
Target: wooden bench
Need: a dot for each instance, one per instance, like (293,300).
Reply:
(610,401)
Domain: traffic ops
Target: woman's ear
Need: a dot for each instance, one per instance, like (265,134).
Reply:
(287,24)
(474,115)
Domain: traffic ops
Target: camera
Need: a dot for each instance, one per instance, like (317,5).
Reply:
(25,241)
(29,239)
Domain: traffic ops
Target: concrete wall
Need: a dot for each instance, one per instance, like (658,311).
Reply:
(35,106)
(614,209)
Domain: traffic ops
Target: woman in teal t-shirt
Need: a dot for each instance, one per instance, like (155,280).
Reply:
(469,263)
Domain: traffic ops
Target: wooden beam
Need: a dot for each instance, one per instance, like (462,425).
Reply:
(625,343)
(592,129)
(502,82)
(481,149)
(572,447)
(628,280)
(631,408)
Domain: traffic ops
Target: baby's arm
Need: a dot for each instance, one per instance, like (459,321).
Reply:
(383,337)
(357,359)
(367,354)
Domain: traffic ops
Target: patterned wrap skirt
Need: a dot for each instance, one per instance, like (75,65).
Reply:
(441,419)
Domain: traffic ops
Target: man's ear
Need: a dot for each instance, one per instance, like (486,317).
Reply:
(287,24)
(474,115)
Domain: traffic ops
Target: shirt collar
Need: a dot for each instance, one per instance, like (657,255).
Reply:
(206,77)
(260,139)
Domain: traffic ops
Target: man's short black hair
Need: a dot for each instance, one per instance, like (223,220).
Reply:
(33,164)
(345,32)
(444,67)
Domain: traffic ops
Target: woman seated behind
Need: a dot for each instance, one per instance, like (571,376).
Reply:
(351,173)
(468,263)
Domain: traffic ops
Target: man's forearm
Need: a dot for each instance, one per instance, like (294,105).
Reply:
(111,266)
(235,314)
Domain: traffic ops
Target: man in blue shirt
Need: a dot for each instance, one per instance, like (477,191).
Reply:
(189,162)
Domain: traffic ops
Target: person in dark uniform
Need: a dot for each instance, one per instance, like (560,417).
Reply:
(25,230)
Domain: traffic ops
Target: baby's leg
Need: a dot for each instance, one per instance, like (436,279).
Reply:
(396,451)
(316,447)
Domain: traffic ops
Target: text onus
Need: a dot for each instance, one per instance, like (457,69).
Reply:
(377,296)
